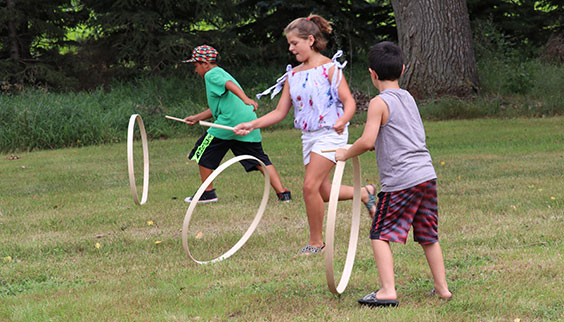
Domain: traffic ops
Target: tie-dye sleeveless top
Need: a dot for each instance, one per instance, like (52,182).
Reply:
(315,98)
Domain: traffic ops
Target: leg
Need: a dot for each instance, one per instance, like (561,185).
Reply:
(209,194)
(316,174)
(435,259)
(275,181)
(345,192)
(385,263)
(255,149)
(204,174)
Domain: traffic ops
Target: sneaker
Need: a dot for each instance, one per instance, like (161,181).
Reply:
(285,196)
(207,196)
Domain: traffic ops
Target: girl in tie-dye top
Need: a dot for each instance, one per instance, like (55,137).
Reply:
(315,97)
(323,106)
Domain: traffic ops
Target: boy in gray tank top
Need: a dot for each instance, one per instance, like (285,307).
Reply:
(408,180)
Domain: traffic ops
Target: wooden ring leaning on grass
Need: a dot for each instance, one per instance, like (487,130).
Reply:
(198,195)
(330,228)
(130,167)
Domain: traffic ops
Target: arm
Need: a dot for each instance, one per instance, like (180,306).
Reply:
(349,105)
(233,88)
(193,119)
(377,111)
(277,115)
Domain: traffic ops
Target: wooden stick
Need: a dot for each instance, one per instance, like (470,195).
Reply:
(175,119)
(219,126)
(202,123)
(335,149)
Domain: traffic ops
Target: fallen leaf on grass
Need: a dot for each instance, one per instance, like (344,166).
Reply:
(7,259)
(97,245)
(157,242)
(102,235)
(150,223)
(199,235)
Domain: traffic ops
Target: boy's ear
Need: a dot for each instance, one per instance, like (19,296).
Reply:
(402,69)
(373,73)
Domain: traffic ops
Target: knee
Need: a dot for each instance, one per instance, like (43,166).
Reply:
(310,188)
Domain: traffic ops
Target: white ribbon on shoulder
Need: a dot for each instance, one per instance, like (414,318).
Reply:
(337,74)
(278,86)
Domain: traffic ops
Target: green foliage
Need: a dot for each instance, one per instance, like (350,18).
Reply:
(31,33)
(146,35)
(509,89)
(357,25)
(526,24)
(35,119)
(129,39)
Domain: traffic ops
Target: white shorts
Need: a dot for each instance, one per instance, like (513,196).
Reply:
(323,139)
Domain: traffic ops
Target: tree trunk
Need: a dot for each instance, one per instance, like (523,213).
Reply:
(14,51)
(436,39)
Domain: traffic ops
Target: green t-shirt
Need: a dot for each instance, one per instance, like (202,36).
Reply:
(227,108)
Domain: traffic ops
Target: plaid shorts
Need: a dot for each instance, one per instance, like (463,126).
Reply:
(397,211)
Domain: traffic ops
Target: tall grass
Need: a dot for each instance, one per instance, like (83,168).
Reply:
(35,119)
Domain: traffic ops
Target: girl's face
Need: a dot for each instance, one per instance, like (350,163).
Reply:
(300,47)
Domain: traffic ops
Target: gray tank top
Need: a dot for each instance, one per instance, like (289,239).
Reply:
(401,153)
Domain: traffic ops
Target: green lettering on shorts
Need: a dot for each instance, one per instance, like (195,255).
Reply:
(203,146)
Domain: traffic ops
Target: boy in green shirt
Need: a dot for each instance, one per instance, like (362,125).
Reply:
(228,105)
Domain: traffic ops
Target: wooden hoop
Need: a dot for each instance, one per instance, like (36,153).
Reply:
(330,229)
(198,195)
(130,167)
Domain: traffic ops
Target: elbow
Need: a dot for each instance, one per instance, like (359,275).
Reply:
(366,145)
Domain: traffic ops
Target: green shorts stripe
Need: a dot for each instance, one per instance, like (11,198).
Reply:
(203,146)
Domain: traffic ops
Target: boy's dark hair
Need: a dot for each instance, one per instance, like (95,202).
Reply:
(386,59)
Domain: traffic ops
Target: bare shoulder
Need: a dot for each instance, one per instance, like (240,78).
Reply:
(377,103)
(378,107)
(298,68)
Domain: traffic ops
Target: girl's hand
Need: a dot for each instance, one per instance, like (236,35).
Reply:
(191,120)
(243,129)
(340,154)
(339,126)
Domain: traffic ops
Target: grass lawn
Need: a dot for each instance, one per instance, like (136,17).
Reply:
(74,247)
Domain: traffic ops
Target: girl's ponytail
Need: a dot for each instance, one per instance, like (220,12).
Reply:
(314,25)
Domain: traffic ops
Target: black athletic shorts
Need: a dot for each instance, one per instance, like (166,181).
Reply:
(209,151)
